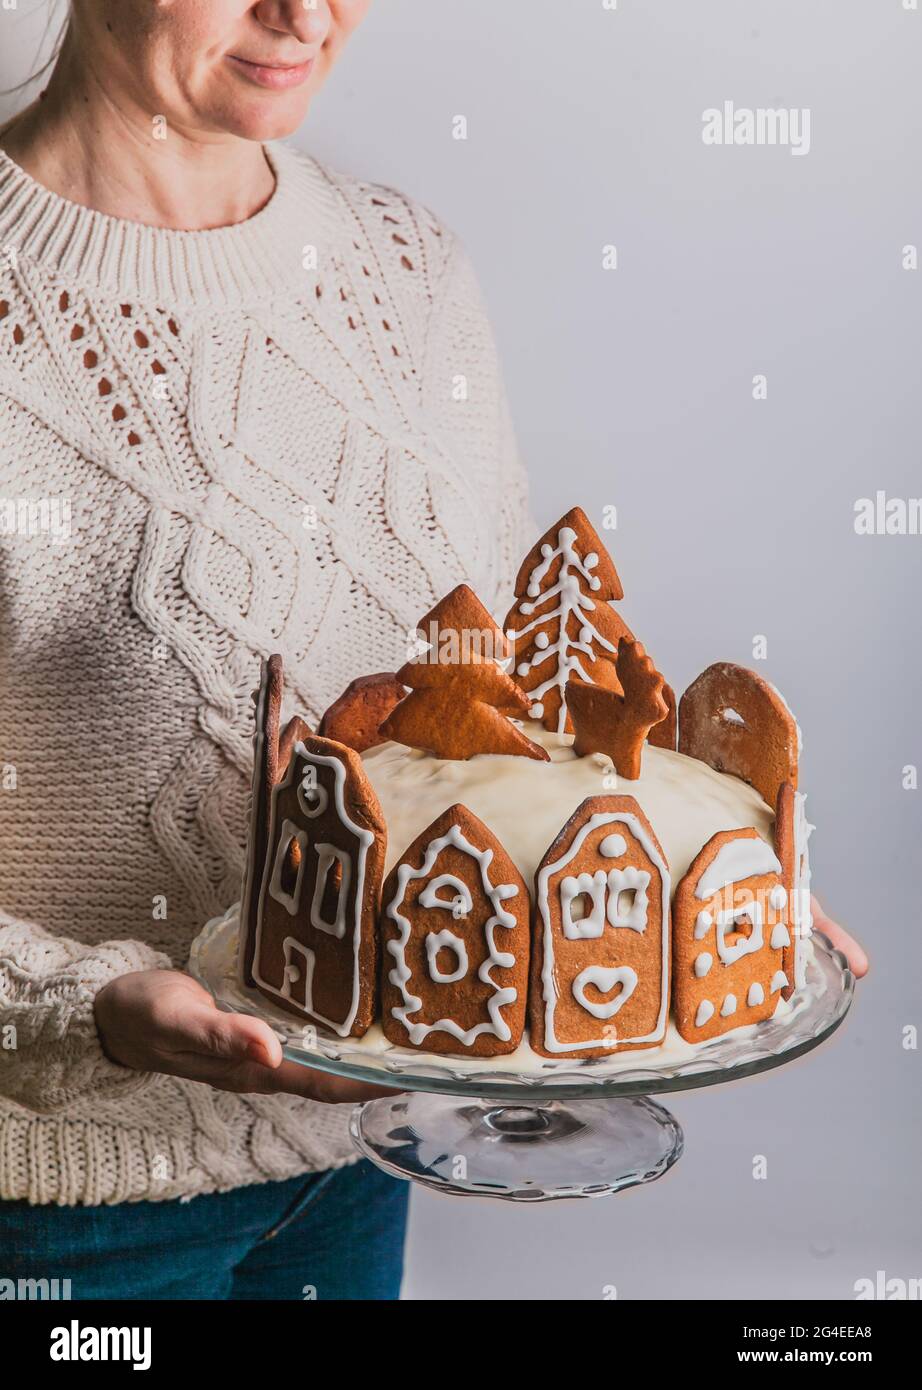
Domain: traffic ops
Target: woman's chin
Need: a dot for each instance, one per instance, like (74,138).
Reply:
(263,119)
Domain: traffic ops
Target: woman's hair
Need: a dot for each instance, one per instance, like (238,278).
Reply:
(50,19)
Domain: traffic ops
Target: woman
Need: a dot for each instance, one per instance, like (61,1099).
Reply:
(231,425)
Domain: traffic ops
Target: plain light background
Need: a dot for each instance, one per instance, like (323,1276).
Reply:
(633,388)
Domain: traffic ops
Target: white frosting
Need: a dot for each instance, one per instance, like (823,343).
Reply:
(703,963)
(526,803)
(756,995)
(728,1007)
(734,861)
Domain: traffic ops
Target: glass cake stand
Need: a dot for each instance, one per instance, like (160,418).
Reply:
(522,1127)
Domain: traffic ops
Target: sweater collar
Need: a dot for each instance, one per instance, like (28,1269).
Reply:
(263,255)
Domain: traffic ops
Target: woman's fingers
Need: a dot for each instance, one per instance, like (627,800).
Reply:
(852,950)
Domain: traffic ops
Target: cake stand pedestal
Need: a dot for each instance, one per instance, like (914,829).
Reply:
(542,1129)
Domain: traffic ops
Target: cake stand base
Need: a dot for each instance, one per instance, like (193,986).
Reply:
(521,1152)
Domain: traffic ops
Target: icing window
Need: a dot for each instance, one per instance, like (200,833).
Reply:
(288,869)
(331,890)
(453,952)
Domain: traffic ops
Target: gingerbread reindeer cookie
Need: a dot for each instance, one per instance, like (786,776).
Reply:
(455,942)
(600,953)
(562,625)
(618,725)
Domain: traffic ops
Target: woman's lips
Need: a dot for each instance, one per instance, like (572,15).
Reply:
(277,79)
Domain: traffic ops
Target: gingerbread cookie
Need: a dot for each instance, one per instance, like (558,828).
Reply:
(316,941)
(664,734)
(460,700)
(730,931)
(561,624)
(600,953)
(265,775)
(356,717)
(786,849)
(618,725)
(455,942)
(736,722)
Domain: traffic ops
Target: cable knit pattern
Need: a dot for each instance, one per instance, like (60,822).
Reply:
(289,435)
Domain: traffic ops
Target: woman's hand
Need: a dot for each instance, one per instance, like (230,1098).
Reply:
(853,953)
(161,1020)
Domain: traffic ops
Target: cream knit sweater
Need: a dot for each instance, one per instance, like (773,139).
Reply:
(288,435)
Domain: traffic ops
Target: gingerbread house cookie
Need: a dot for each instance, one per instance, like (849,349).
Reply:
(316,939)
(600,965)
(455,942)
(737,722)
(730,931)
(271,753)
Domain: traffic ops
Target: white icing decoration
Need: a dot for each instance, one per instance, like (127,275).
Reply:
(703,963)
(728,1007)
(736,860)
(290,900)
(292,974)
(705,1012)
(747,945)
(312,799)
(364,840)
(613,846)
(459,906)
(445,940)
(703,923)
(572,888)
(779,981)
(778,897)
(732,716)
(327,856)
(628,880)
(549,967)
(401,974)
(572,601)
(605,978)
(780,936)
(756,995)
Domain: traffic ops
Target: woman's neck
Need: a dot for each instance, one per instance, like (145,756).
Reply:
(104,153)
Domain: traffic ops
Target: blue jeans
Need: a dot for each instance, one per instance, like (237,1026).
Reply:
(332,1235)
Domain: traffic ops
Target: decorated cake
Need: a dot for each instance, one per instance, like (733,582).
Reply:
(522,835)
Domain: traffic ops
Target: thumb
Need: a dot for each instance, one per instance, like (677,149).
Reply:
(234,1037)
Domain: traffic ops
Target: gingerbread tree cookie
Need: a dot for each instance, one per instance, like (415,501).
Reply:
(459,697)
(561,624)
(606,722)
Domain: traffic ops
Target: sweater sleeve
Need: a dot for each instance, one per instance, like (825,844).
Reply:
(461,341)
(50,1051)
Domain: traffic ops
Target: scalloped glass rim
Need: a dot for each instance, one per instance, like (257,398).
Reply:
(745,1052)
